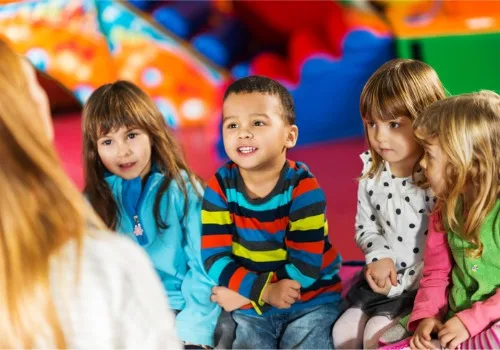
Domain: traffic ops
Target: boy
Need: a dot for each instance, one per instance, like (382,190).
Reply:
(265,238)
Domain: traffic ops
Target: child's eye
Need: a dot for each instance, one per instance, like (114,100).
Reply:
(395,125)
(370,124)
(232,126)
(258,123)
(106,142)
(132,135)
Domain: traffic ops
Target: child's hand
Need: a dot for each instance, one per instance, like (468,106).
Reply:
(281,294)
(453,333)
(380,270)
(384,291)
(227,299)
(421,339)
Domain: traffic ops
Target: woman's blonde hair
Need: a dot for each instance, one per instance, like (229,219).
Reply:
(399,88)
(467,130)
(40,210)
(123,104)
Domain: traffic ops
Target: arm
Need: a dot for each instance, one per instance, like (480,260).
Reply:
(305,237)
(432,295)
(369,236)
(216,248)
(481,314)
(200,313)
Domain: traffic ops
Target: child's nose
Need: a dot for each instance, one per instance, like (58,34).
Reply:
(245,134)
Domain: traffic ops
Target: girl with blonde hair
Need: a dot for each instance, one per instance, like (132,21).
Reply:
(64,280)
(392,214)
(459,296)
(139,183)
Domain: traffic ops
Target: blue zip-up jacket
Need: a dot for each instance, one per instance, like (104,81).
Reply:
(175,251)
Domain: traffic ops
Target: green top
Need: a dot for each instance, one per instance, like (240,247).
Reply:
(475,279)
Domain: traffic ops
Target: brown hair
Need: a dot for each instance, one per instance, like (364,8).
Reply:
(399,88)
(123,104)
(467,129)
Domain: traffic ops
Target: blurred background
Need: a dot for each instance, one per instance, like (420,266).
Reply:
(185,53)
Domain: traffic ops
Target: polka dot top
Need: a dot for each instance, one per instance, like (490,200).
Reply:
(391,222)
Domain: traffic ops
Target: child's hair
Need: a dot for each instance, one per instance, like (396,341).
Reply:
(467,130)
(123,104)
(40,210)
(399,88)
(264,85)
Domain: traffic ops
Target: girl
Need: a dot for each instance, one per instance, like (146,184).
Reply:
(64,281)
(140,185)
(461,136)
(391,220)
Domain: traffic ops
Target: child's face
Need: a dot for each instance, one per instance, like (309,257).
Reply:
(255,134)
(394,141)
(126,152)
(433,163)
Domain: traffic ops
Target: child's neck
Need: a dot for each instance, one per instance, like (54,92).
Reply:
(404,168)
(259,183)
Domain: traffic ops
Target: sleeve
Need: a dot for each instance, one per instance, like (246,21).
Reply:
(216,248)
(407,280)
(305,237)
(144,320)
(369,237)
(432,295)
(200,312)
(482,314)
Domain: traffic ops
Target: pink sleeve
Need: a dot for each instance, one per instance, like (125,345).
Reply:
(481,314)
(432,295)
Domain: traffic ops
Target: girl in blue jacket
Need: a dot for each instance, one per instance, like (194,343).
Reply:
(140,185)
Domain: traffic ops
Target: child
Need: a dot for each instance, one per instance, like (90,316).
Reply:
(140,185)
(264,229)
(391,219)
(461,136)
(65,281)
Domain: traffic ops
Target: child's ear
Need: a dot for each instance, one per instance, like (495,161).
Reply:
(293,135)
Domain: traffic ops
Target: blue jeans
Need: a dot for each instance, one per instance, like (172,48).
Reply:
(309,328)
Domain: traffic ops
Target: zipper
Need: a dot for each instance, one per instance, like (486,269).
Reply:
(139,232)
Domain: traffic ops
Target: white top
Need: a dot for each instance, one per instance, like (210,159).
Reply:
(119,302)
(391,222)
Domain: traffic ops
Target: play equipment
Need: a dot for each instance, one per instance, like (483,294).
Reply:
(459,39)
(84,44)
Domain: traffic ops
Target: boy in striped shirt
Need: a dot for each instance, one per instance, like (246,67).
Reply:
(265,238)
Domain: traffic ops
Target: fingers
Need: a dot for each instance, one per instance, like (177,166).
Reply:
(445,339)
(294,284)
(372,284)
(426,330)
(454,344)
(394,277)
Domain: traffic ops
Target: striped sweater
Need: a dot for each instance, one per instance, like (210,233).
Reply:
(248,243)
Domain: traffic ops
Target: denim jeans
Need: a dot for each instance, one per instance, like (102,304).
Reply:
(309,328)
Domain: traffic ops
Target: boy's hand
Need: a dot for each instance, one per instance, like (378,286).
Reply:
(453,333)
(227,299)
(380,270)
(421,339)
(281,294)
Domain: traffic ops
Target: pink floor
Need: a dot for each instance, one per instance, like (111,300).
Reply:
(335,164)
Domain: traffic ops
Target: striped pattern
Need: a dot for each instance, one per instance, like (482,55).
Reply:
(248,243)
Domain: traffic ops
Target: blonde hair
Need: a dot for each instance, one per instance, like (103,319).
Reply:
(123,104)
(40,210)
(399,88)
(467,130)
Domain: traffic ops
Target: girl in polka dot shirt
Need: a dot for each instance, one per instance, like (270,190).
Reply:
(393,206)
